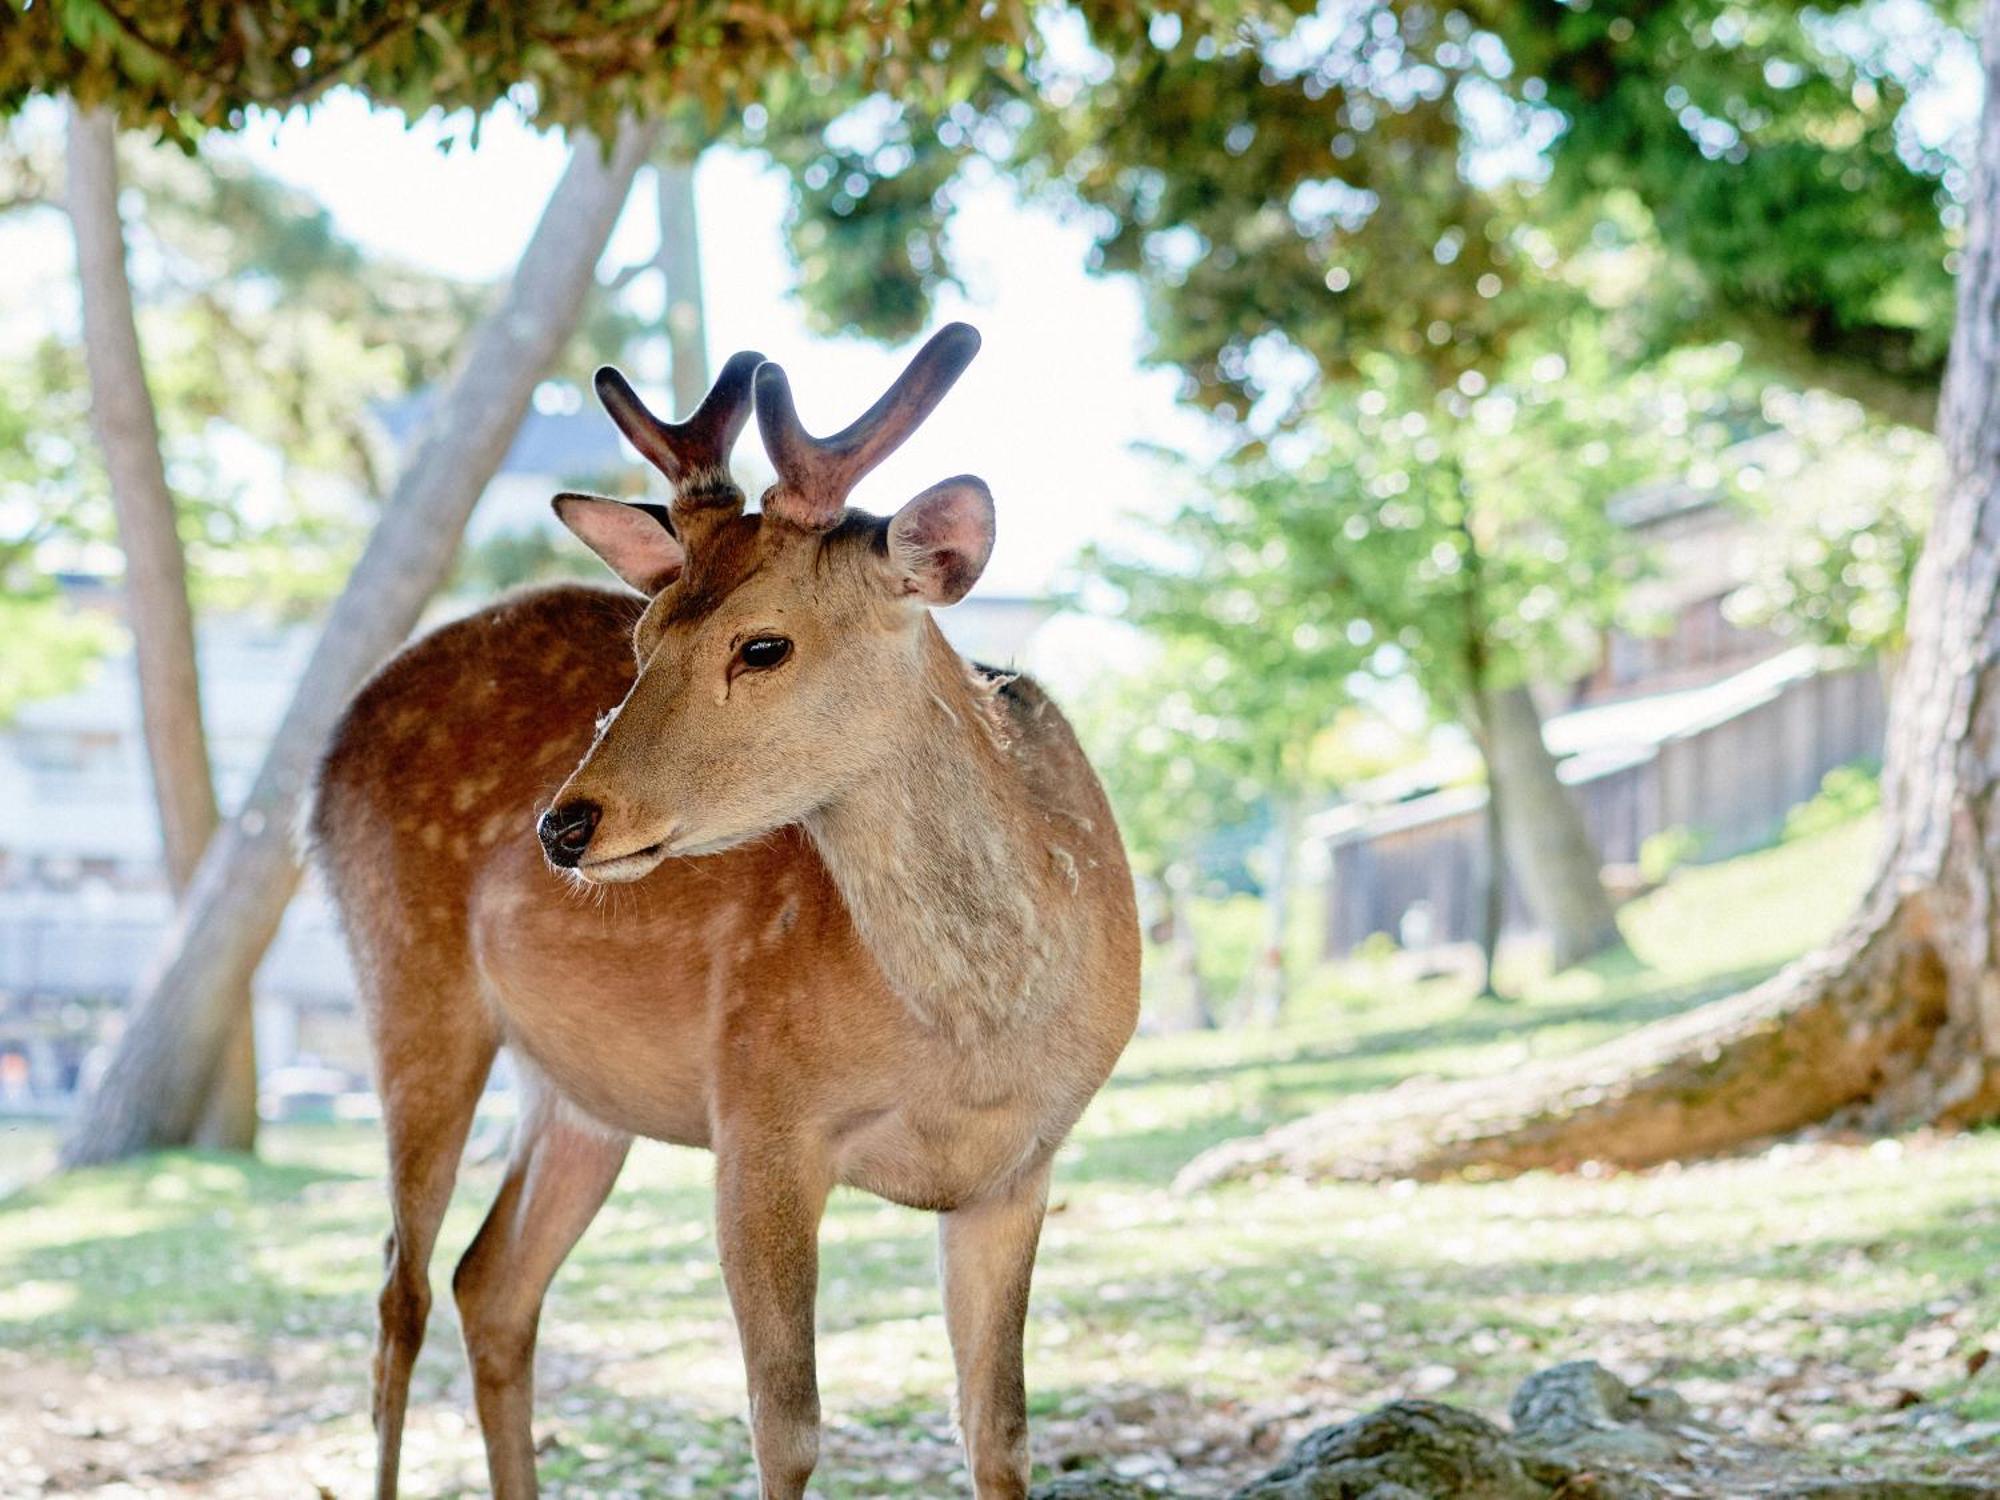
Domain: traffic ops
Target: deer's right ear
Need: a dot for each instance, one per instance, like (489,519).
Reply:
(636,542)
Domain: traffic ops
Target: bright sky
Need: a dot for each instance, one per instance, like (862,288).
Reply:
(1047,414)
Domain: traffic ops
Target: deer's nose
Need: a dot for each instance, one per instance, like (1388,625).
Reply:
(565,832)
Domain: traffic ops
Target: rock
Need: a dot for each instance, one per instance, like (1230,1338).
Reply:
(1582,1415)
(1579,1433)
(1092,1485)
(1893,1489)
(1407,1450)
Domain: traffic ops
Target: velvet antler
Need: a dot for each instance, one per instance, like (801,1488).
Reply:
(815,475)
(694,454)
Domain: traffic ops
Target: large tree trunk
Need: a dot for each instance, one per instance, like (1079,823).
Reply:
(1894,1022)
(181,1022)
(1546,845)
(156,593)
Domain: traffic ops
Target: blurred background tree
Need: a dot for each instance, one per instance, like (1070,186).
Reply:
(1249,677)
(1461,541)
(1845,499)
(1176,786)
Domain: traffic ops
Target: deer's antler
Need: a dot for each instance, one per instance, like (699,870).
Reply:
(815,475)
(694,455)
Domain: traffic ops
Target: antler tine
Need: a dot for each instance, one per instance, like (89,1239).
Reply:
(694,455)
(815,475)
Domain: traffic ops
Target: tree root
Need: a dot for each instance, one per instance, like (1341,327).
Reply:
(1860,1028)
(1578,1433)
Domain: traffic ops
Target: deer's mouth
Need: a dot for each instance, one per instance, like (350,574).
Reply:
(633,865)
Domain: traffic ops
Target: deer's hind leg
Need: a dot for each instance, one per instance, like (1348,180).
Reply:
(561,1171)
(434,1045)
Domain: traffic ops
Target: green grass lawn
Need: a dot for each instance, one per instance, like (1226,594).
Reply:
(201,1326)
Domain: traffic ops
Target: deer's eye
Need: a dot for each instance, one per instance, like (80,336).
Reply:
(763,652)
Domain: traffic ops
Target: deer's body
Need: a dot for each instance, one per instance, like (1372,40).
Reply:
(629,1002)
(911,979)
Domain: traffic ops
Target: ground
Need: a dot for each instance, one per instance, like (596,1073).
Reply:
(200,1326)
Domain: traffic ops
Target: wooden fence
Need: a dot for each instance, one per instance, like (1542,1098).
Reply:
(1730,783)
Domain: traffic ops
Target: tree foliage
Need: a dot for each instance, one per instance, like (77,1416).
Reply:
(1773,147)
(1843,502)
(1399,176)
(1172,758)
(1396,529)
(180,68)
(48,648)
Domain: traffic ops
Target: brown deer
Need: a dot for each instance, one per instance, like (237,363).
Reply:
(877,926)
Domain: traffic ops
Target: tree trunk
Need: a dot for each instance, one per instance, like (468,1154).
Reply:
(1492,892)
(156,594)
(680,267)
(1896,1021)
(1268,989)
(182,1020)
(1545,843)
(1197,1005)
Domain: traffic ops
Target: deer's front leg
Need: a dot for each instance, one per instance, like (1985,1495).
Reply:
(987,1253)
(769,1198)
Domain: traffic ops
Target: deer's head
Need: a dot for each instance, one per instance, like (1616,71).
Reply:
(779,651)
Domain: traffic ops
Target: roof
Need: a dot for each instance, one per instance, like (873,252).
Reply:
(568,444)
(1588,743)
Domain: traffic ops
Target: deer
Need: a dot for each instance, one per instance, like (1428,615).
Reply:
(874,924)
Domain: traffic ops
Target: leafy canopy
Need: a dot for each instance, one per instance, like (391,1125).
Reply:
(180,66)
(1401,532)
(1400,176)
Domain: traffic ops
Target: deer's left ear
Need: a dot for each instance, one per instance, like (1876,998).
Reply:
(939,542)
(636,542)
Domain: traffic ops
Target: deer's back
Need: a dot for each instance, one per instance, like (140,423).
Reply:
(445,754)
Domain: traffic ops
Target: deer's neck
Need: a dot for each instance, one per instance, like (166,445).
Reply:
(940,858)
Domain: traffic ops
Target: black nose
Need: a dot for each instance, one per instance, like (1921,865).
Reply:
(565,832)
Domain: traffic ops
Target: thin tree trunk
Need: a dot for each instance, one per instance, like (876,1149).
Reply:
(181,1022)
(1196,1005)
(1268,996)
(1896,1020)
(1492,892)
(680,266)
(1547,847)
(1493,885)
(156,594)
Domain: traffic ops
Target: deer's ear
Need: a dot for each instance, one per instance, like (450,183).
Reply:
(636,542)
(939,542)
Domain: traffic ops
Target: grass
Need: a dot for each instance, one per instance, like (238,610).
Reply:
(214,1315)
